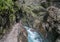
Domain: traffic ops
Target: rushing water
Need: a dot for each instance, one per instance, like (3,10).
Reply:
(34,36)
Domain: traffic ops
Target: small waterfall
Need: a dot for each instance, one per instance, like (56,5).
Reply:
(34,36)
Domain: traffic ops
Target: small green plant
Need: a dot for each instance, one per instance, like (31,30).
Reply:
(7,14)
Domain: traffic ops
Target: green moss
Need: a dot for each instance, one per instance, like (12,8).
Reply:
(7,14)
(12,17)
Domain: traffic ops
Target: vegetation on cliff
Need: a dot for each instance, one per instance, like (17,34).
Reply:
(30,13)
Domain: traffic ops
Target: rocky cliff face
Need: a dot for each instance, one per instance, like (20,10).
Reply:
(36,16)
(34,10)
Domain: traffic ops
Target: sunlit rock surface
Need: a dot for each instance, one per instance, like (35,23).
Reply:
(17,34)
(13,35)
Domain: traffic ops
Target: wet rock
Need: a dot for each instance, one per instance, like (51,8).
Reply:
(23,35)
(38,26)
(58,39)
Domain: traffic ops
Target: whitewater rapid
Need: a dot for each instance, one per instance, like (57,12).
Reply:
(33,36)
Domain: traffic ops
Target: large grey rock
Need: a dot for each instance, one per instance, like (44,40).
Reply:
(14,35)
